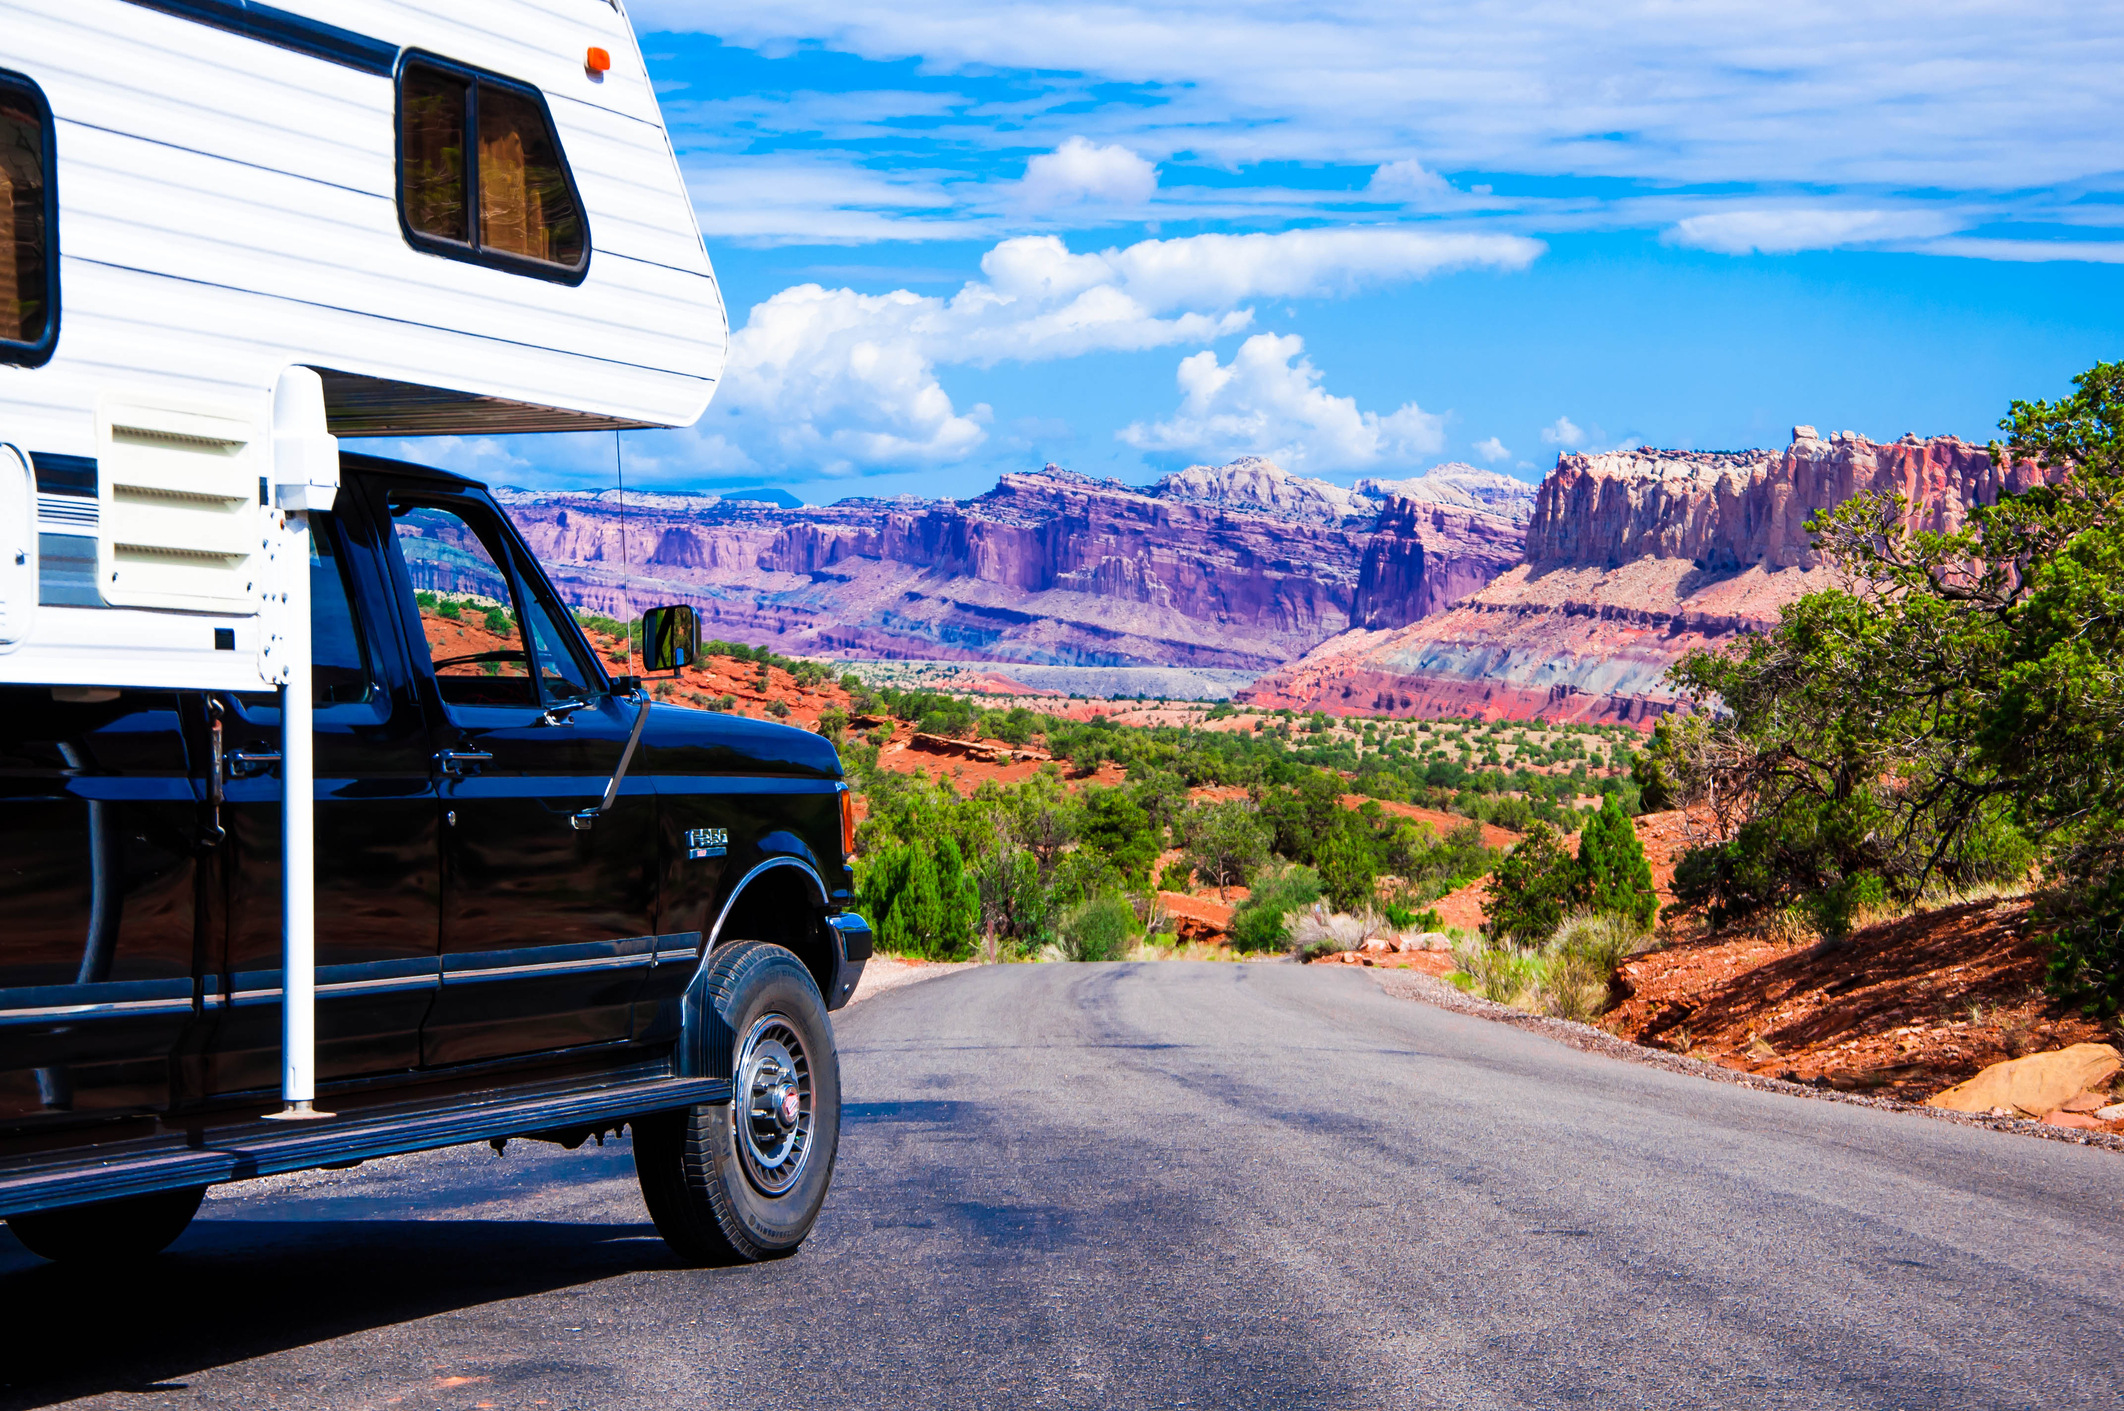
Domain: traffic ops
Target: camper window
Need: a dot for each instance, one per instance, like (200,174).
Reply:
(29,267)
(471,142)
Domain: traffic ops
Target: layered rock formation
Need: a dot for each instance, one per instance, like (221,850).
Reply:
(1241,566)
(1632,559)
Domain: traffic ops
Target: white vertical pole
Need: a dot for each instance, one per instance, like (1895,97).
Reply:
(298,839)
(305,480)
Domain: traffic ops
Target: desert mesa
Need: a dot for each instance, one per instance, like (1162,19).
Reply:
(1457,592)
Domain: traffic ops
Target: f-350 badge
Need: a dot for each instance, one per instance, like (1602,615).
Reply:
(706,842)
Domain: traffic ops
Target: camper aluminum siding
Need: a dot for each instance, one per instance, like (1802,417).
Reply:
(229,207)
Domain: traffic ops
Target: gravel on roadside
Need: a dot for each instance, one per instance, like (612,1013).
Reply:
(1409,984)
(889,972)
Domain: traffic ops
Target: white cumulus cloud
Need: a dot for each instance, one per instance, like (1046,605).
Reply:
(1492,450)
(835,382)
(1563,432)
(1081,171)
(1268,401)
(1785,230)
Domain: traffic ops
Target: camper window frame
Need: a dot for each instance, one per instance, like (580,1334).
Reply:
(469,250)
(13,350)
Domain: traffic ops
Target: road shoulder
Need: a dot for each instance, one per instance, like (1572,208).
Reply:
(1413,985)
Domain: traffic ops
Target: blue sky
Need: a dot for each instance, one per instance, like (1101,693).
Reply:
(1364,239)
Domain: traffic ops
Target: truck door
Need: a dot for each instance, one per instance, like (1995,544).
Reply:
(546,929)
(100,834)
(377,870)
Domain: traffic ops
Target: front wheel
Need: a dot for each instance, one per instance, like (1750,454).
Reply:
(745,1180)
(111,1231)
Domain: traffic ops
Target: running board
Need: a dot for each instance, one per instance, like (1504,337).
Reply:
(114,1170)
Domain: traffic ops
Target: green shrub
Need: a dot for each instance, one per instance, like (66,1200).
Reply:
(1500,974)
(1401,918)
(1226,843)
(2087,937)
(1349,869)
(1571,986)
(1603,939)
(1531,889)
(1177,877)
(1262,921)
(1098,929)
(926,901)
(1613,874)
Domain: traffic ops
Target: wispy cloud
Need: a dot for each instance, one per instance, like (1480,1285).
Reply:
(1785,230)
(1998,95)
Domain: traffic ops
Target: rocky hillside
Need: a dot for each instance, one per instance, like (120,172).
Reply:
(1632,558)
(1240,566)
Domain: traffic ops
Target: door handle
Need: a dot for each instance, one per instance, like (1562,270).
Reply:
(453,762)
(244,763)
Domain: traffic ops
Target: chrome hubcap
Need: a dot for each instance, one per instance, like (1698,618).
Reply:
(773,1113)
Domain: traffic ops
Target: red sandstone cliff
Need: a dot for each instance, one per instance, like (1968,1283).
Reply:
(1242,566)
(1633,558)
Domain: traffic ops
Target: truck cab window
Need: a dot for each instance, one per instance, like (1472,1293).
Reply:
(513,175)
(28,265)
(467,608)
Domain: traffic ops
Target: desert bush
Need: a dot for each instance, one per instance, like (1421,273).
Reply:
(1102,928)
(927,902)
(1318,931)
(1531,889)
(1226,843)
(1498,973)
(1569,975)
(1614,876)
(1261,922)
(2086,917)
(1404,918)
(1580,962)
(1571,986)
(1603,938)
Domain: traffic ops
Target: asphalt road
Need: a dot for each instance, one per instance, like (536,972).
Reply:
(1165,1185)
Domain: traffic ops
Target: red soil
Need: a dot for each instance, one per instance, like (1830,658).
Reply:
(1905,1008)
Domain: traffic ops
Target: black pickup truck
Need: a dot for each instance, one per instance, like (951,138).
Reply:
(509,944)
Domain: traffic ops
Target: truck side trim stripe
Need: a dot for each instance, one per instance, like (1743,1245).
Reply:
(121,1006)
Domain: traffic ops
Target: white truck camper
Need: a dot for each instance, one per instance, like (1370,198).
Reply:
(234,234)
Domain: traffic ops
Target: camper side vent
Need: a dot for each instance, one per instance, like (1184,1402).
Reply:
(179,521)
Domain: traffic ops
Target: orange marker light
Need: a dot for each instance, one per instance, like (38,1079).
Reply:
(848,823)
(597,61)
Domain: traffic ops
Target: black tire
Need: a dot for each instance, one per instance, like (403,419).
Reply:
(714,1189)
(110,1232)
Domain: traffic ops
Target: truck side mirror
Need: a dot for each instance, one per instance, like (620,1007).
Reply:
(671,638)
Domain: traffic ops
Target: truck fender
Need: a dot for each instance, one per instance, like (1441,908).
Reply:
(706,1041)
